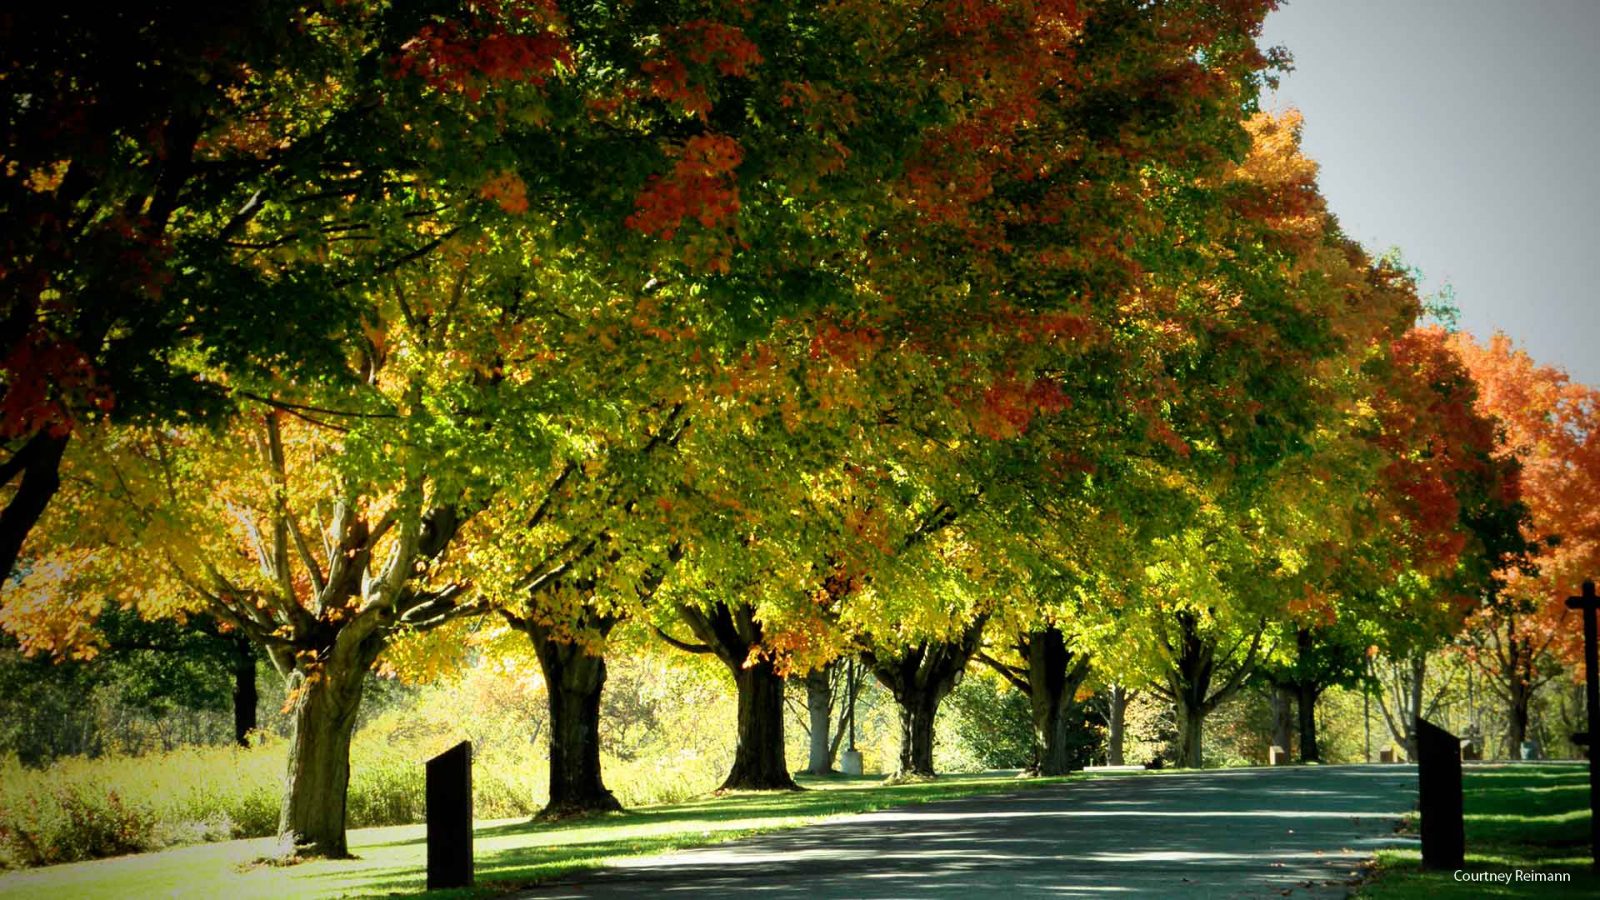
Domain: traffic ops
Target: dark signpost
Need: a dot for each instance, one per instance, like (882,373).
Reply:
(450,818)
(1444,840)
(1590,603)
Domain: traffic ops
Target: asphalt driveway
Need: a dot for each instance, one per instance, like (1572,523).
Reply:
(1296,832)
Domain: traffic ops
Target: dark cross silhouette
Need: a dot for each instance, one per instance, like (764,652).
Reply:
(1590,603)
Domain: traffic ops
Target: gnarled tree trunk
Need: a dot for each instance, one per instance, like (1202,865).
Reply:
(1191,733)
(1307,690)
(920,677)
(1054,674)
(574,679)
(1414,695)
(326,697)
(918,712)
(1519,683)
(1517,724)
(1193,665)
(732,633)
(1189,683)
(758,760)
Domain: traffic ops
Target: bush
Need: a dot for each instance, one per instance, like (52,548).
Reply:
(983,725)
(83,809)
(72,824)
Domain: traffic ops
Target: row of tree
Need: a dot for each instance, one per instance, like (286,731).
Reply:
(916,333)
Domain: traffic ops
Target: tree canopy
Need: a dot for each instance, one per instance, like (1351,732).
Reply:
(927,334)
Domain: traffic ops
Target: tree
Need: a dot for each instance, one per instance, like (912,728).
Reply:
(185,179)
(175,683)
(919,676)
(1452,508)
(951,215)
(1549,425)
(168,646)
(1015,241)
(785,135)
(831,686)
(1325,655)
(318,525)
(1117,699)
(1050,678)
(1207,665)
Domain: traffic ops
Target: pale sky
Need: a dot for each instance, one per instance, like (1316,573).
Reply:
(1466,133)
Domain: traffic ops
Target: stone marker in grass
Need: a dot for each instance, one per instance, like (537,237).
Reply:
(449,817)
(1444,841)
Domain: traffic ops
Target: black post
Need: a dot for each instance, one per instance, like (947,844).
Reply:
(450,818)
(1444,840)
(1590,603)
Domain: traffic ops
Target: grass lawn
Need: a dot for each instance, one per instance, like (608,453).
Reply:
(509,853)
(1530,817)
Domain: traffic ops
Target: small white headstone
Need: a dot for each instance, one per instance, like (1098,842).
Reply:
(850,762)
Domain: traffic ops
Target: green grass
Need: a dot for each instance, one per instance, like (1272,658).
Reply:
(1518,817)
(509,853)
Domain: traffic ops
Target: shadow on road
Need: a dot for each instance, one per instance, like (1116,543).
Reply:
(1232,833)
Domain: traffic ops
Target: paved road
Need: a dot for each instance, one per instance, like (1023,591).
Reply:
(1231,833)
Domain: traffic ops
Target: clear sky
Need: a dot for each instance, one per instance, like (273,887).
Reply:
(1466,133)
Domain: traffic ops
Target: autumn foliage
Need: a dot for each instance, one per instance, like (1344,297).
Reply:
(924,333)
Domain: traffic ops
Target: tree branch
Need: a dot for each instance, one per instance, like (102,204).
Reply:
(1015,676)
(681,645)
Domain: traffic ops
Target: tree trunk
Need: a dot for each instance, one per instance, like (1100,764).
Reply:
(1519,698)
(1191,725)
(1307,703)
(819,706)
(1054,674)
(1188,684)
(1419,675)
(917,716)
(39,463)
(1519,690)
(574,680)
(312,819)
(734,635)
(758,760)
(919,678)
(245,696)
(1282,717)
(1116,729)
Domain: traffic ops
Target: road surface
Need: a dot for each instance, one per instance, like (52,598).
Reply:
(1296,832)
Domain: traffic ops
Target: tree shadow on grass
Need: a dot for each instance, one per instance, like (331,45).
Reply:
(555,849)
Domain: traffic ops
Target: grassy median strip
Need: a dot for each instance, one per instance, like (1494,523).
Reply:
(509,853)
(1531,819)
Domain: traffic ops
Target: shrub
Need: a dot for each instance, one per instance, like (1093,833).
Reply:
(71,824)
(984,725)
